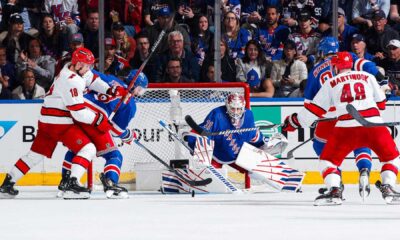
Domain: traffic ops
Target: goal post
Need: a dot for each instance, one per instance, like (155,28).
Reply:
(170,102)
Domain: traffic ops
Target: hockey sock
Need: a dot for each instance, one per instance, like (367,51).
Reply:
(24,164)
(112,168)
(363,158)
(67,162)
(79,166)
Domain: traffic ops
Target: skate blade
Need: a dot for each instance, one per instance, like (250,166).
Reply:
(328,202)
(69,195)
(392,200)
(60,194)
(7,196)
(122,195)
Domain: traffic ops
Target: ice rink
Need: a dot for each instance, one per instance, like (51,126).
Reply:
(37,214)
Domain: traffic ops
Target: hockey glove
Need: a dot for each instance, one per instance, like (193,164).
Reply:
(291,123)
(276,144)
(128,136)
(101,123)
(117,91)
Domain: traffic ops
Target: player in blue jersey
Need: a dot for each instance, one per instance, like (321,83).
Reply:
(321,72)
(104,142)
(233,116)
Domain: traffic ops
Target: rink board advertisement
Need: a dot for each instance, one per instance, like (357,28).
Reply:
(18,125)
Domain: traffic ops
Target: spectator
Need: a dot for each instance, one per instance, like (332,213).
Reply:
(394,14)
(291,10)
(299,92)
(228,68)
(125,45)
(391,64)
(34,9)
(347,6)
(42,65)
(253,70)
(363,11)
(65,14)
(151,10)
(271,35)
(190,67)
(359,47)
(142,52)
(173,73)
(53,41)
(10,8)
(379,36)
(345,31)
(211,73)
(7,69)
(306,39)
(16,39)
(29,89)
(234,35)
(5,92)
(113,62)
(130,13)
(201,39)
(287,73)
(253,10)
(91,32)
(165,20)
(188,11)
(75,42)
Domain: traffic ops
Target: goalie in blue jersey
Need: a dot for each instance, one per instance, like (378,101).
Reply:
(234,116)
(104,143)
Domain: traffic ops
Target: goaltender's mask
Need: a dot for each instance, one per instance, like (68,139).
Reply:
(235,105)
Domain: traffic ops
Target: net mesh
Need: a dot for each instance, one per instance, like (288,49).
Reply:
(170,103)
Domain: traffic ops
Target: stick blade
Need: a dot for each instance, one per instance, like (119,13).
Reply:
(189,120)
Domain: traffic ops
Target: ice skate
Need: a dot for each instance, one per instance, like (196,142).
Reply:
(63,183)
(74,190)
(363,184)
(7,189)
(112,190)
(333,197)
(388,193)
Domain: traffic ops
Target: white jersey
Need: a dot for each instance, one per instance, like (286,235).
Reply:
(353,87)
(61,9)
(64,101)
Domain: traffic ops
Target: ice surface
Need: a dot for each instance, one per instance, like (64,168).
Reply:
(37,214)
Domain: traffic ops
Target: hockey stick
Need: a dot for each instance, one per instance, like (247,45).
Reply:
(125,98)
(189,120)
(289,154)
(164,125)
(189,181)
(360,119)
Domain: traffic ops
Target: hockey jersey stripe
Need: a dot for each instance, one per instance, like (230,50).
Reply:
(390,167)
(372,112)
(315,109)
(76,107)
(54,112)
(112,167)
(381,105)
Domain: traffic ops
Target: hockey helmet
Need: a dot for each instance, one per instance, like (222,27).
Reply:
(141,80)
(83,55)
(328,45)
(235,104)
(342,60)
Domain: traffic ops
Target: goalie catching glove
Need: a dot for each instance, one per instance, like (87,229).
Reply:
(128,136)
(117,91)
(291,123)
(276,144)
(101,123)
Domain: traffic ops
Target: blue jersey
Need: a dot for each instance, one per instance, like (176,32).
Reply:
(106,104)
(227,147)
(236,46)
(272,40)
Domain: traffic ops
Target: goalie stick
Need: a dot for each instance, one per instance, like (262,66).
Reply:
(189,181)
(130,86)
(360,119)
(189,120)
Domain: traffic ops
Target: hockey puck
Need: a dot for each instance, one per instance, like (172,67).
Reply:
(192,193)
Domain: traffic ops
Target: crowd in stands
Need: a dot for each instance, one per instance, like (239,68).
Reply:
(269,44)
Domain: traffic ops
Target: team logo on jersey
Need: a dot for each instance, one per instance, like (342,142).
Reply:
(5,127)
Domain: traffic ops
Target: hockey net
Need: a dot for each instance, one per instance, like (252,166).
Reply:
(170,103)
